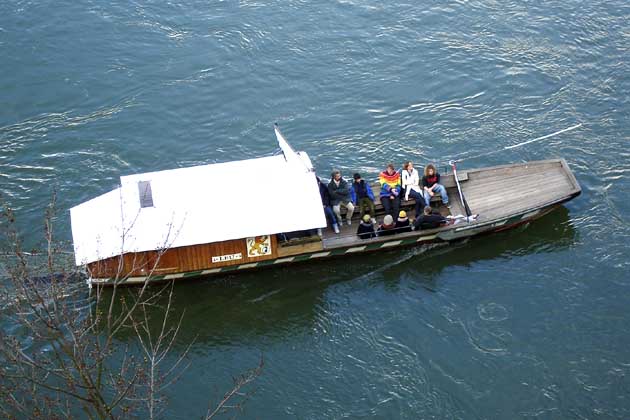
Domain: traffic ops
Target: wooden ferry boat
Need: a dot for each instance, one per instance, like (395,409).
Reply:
(186,223)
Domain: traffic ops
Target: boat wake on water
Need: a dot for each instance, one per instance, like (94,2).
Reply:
(400,259)
(462,157)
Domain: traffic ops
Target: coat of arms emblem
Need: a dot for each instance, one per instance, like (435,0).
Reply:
(259,246)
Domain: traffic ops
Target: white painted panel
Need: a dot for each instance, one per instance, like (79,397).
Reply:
(197,205)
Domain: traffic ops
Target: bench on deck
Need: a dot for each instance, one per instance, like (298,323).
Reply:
(447,180)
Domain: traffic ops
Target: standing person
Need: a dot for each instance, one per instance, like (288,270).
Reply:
(429,220)
(390,190)
(402,223)
(366,228)
(325,195)
(411,185)
(431,185)
(340,196)
(363,197)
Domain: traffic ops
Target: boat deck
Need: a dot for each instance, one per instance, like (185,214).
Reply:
(503,190)
(347,235)
(493,193)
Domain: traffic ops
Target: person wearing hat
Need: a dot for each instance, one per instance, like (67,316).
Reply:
(363,197)
(366,228)
(340,196)
(388,226)
(402,223)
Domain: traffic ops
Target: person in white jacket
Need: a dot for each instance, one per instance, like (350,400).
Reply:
(411,186)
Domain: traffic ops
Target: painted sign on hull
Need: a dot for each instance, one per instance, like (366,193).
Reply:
(259,246)
(228,257)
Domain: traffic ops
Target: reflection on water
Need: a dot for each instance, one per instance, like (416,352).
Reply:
(550,233)
(286,301)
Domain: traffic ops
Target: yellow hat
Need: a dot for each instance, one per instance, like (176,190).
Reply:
(402,214)
(366,218)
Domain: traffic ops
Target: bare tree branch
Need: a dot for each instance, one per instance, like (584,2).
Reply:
(63,357)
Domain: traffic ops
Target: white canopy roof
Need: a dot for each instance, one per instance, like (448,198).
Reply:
(201,204)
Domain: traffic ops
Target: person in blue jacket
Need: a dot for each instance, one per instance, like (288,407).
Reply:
(363,197)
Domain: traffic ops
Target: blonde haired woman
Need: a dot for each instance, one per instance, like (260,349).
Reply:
(411,185)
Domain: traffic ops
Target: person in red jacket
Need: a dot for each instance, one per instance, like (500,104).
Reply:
(388,227)
(431,185)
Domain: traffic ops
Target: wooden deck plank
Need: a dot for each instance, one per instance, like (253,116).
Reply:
(524,201)
(496,213)
(499,197)
(507,170)
(492,212)
(509,194)
(513,181)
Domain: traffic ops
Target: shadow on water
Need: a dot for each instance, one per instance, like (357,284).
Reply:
(551,233)
(272,305)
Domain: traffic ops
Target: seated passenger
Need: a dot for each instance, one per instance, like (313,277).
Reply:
(431,185)
(388,226)
(366,228)
(340,196)
(325,195)
(390,190)
(429,220)
(402,223)
(363,197)
(411,186)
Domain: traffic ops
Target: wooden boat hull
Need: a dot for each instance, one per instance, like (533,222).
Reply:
(526,203)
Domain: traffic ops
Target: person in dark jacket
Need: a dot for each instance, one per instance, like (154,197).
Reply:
(387,228)
(402,223)
(340,196)
(362,196)
(431,185)
(366,228)
(429,220)
(325,195)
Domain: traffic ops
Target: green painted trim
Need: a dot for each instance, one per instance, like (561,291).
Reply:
(392,242)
